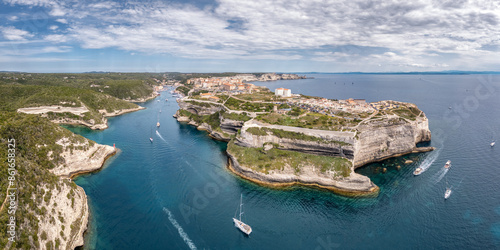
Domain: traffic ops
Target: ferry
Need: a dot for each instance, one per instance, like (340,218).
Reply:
(418,171)
(448,164)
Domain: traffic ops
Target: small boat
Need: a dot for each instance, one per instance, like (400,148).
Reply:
(166,100)
(448,164)
(151,137)
(418,171)
(447,193)
(239,224)
(492,144)
(158,124)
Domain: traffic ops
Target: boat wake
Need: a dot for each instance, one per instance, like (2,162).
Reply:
(427,163)
(183,234)
(440,175)
(159,135)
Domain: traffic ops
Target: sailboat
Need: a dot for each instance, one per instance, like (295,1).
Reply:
(239,224)
(151,138)
(492,143)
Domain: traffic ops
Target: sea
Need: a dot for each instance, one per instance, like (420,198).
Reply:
(176,192)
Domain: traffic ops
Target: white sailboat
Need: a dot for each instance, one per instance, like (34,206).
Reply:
(239,224)
(492,143)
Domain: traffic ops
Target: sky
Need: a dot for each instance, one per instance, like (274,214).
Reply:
(249,35)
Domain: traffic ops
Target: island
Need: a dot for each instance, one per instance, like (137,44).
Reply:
(280,139)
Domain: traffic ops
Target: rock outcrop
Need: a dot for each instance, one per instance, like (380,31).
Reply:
(199,107)
(353,185)
(78,161)
(68,212)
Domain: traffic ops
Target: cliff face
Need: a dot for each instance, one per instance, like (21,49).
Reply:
(331,143)
(381,139)
(66,219)
(230,126)
(375,140)
(353,185)
(69,214)
(196,107)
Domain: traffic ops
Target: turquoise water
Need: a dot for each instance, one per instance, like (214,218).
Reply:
(176,193)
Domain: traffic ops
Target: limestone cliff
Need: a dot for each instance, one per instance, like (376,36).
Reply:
(353,185)
(69,214)
(199,107)
(382,139)
(375,138)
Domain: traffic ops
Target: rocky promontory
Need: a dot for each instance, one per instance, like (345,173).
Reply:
(280,155)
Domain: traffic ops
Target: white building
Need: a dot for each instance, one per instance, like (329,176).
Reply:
(283,92)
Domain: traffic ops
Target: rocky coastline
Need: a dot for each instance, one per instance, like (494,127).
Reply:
(355,185)
(375,140)
(73,208)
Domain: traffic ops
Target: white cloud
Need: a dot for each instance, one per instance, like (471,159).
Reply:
(56,38)
(104,5)
(415,34)
(62,20)
(13,18)
(11,33)
(58,11)
(53,27)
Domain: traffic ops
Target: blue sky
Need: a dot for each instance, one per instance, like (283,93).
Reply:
(249,36)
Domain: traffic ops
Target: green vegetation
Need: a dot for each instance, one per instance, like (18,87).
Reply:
(119,85)
(276,159)
(235,104)
(264,95)
(409,113)
(236,117)
(291,135)
(202,104)
(13,97)
(34,138)
(213,120)
(308,120)
(183,89)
